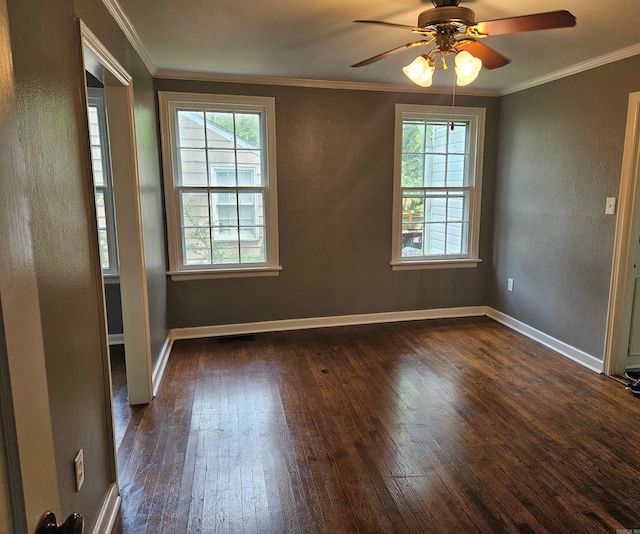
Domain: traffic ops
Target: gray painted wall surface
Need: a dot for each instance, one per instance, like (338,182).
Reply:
(560,156)
(100,22)
(53,133)
(114,308)
(335,183)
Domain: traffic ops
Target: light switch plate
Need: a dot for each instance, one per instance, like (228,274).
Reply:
(611,206)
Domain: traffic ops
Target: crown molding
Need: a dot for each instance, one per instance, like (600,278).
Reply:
(130,33)
(316,84)
(612,57)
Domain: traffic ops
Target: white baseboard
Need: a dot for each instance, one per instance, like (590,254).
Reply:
(566,350)
(116,339)
(158,371)
(109,511)
(324,322)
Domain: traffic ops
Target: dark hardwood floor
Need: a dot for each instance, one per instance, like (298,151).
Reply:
(456,425)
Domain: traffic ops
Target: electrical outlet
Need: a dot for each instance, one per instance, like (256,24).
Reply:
(611,206)
(509,284)
(78,465)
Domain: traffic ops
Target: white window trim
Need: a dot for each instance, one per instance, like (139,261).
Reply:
(471,259)
(168,103)
(96,97)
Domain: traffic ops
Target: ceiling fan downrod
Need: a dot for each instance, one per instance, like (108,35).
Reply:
(445,3)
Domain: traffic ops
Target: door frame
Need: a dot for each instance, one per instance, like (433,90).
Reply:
(626,237)
(126,188)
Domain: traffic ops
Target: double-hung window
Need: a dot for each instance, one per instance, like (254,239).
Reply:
(220,184)
(102,179)
(437,186)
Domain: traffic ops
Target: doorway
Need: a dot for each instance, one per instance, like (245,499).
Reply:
(620,336)
(123,246)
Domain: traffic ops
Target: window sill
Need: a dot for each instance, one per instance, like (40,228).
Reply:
(111,279)
(465,263)
(178,276)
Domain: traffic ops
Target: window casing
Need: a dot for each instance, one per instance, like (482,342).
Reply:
(103,182)
(220,185)
(437,187)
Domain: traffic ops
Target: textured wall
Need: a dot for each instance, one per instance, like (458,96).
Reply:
(100,22)
(560,155)
(335,183)
(52,120)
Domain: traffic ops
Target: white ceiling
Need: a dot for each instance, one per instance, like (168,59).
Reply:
(317,39)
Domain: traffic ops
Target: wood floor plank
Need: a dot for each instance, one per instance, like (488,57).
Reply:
(457,425)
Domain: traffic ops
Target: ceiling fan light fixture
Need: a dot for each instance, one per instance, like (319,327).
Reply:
(467,68)
(420,71)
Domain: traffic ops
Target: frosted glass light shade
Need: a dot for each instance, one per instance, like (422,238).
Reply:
(467,68)
(420,71)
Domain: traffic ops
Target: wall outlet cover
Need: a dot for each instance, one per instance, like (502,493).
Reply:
(78,466)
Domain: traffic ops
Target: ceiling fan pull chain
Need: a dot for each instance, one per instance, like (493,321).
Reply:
(453,103)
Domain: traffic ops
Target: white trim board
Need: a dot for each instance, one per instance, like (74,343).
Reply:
(562,348)
(317,84)
(158,371)
(593,63)
(324,322)
(116,339)
(130,33)
(108,512)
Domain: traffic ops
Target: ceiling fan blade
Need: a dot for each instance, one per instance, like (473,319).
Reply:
(527,23)
(392,25)
(392,51)
(490,58)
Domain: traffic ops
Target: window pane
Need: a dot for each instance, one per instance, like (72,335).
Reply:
(246,177)
(458,138)
(456,168)
(252,245)
(413,136)
(455,208)
(222,166)
(435,237)
(435,170)
(413,208)
(224,211)
(248,130)
(100,209)
(252,208)
(437,137)
(412,239)
(436,208)
(456,240)
(193,167)
(250,161)
(196,246)
(104,248)
(195,209)
(226,249)
(191,129)
(412,170)
(220,129)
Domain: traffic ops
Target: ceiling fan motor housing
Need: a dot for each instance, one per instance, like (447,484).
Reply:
(446,15)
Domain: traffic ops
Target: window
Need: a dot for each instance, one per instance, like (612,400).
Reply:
(102,180)
(437,186)
(220,184)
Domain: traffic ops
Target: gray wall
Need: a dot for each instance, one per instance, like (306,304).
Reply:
(100,22)
(335,185)
(53,133)
(560,155)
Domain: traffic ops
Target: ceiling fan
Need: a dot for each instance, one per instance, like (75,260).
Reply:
(454,30)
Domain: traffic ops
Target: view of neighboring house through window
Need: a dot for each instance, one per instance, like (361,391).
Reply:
(437,185)
(220,173)
(101,165)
